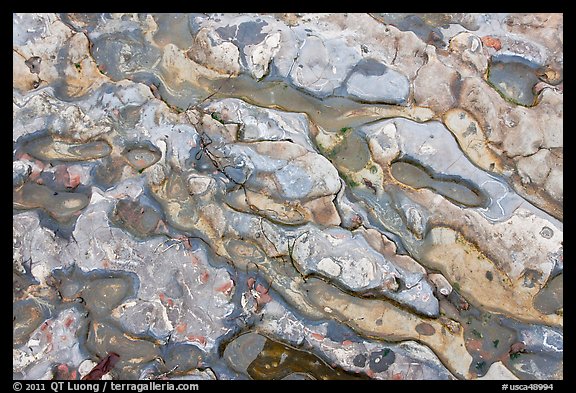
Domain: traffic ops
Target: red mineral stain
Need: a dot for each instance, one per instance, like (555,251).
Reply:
(165,299)
(103,367)
(487,355)
(492,42)
(181,327)
(184,239)
(198,339)
(226,287)
(62,372)
(397,376)
(24,156)
(73,180)
(504,358)
(263,292)
(61,175)
(317,336)
(68,322)
(204,277)
(463,305)
(40,165)
(474,345)
(347,343)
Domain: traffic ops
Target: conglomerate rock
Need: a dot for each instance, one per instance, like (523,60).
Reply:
(288,196)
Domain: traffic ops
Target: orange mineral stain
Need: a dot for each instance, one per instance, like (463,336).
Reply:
(492,42)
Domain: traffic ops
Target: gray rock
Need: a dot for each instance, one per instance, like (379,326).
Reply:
(372,81)
(411,359)
(555,183)
(287,175)
(531,168)
(322,65)
(347,259)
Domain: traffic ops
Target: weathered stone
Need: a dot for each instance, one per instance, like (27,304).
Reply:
(395,324)
(368,195)
(373,81)
(314,69)
(472,139)
(555,183)
(436,85)
(210,50)
(348,260)
(531,169)
(468,49)
(347,349)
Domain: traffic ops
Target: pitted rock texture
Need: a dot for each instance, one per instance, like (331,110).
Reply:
(288,196)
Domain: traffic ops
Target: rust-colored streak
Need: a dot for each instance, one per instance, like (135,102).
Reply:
(102,368)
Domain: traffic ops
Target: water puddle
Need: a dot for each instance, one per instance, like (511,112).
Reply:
(332,113)
(46,148)
(454,189)
(428,26)
(60,205)
(551,298)
(514,78)
(263,359)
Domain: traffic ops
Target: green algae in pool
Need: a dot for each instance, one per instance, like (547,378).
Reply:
(453,188)
(486,338)
(352,152)
(513,77)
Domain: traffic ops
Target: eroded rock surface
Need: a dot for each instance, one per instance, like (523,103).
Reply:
(288,196)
